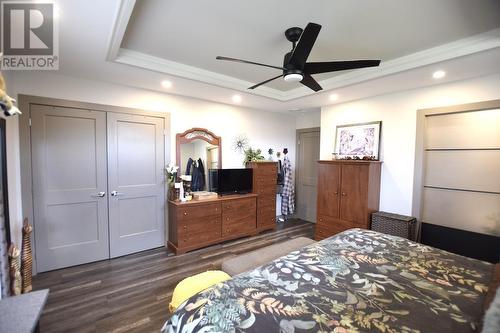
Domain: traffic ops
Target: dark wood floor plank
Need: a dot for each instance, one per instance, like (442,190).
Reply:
(131,293)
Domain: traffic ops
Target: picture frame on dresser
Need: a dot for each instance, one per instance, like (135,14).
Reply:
(358,140)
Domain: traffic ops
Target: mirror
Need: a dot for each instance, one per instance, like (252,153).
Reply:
(198,150)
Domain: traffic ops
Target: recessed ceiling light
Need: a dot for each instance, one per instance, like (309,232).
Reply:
(166,84)
(334,97)
(438,74)
(236,98)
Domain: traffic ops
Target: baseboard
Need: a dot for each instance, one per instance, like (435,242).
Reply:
(466,243)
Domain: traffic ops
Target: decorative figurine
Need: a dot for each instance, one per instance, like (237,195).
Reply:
(15,270)
(27,257)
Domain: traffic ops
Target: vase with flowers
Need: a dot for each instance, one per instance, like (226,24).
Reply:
(171,173)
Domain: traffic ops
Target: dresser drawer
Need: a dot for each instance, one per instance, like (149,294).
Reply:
(237,217)
(212,223)
(198,211)
(269,210)
(264,220)
(263,181)
(328,226)
(266,190)
(270,170)
(239,205)
(266,200)
(322,232)
(238,226)
(199,238)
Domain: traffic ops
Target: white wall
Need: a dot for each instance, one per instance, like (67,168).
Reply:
(398,113)
(264,129)
(308,119)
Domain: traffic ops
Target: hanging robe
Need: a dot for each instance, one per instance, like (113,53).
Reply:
(288,194)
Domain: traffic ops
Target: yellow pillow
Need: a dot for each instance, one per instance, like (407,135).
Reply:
(194,284)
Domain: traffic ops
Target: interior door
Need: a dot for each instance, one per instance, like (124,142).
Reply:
(354,193)
(69,186)
(329,185)
(136,183)
(307,174)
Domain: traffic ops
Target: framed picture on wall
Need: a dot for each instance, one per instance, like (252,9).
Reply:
(358,140)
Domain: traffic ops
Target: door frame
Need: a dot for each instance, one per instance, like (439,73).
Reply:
(418,171)
(25,102)
(297,155)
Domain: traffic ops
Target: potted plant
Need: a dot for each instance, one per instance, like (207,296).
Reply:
(253,155)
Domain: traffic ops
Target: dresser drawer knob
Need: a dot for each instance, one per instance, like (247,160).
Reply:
(227,218)
(321,220)
(184,227)
(343,193)
(185,213)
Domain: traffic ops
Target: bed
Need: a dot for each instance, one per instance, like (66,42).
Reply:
(356,281)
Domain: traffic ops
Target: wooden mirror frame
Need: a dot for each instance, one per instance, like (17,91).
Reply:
(193,134)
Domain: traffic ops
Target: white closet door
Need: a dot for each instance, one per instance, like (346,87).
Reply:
(136,183)
(462,178)
(69,186)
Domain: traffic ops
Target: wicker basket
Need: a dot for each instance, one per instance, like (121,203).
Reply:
(394,224)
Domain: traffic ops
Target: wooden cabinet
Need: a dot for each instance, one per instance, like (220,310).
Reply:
(196,224)
(265,176)
(348,192)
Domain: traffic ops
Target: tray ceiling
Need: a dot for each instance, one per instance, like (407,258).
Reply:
(193,33)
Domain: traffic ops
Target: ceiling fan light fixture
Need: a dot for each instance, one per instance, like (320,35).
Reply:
(295,66)
(293,77)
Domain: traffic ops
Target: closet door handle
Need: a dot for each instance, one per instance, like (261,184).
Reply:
(343,193)
(99,195)
(116,193)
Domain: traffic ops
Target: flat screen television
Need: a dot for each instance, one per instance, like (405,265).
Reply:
(231,181)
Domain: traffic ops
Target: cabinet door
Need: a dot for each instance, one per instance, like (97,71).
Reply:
(328,189)
(354,194)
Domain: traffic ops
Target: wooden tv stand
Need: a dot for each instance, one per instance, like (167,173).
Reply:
(198,223)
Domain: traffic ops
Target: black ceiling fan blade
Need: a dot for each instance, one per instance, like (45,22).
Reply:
(247,62)
(310,82)
(264,82)
(333,66)
(304,46)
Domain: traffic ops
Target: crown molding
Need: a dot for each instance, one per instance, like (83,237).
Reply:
(474,44)
(125,9)
(157,64)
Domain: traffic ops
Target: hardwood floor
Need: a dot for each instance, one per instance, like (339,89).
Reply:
(131,293)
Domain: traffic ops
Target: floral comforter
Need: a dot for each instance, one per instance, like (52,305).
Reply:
(356,281)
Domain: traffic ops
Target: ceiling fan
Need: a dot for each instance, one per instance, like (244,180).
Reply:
(295,68)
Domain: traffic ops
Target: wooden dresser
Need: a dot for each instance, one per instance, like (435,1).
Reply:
(265,176)
(348,192)
(196,224)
